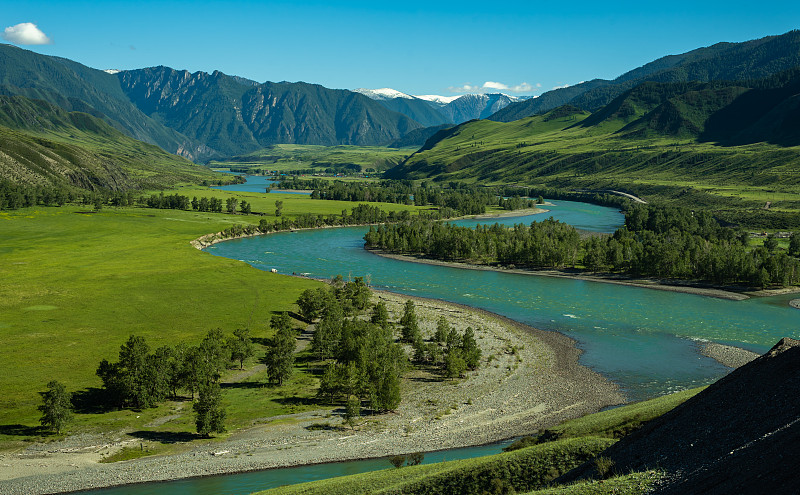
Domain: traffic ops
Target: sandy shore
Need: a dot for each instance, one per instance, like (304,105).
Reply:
(728,355)
(529,379)
(621,280)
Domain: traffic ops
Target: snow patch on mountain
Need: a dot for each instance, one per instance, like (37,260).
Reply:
(441,100)
(112,71)
(383,93)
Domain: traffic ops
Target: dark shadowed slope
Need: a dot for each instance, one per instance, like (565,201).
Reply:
(740,435)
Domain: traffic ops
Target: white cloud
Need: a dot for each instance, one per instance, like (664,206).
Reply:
(492,86)
(26,33)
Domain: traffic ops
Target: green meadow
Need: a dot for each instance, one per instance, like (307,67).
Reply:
(76,284)
(288,157)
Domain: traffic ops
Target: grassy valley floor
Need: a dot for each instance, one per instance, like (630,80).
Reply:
(532,380)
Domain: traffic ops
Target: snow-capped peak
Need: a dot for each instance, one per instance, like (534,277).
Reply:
(383,93)
(112,71)
(442,100)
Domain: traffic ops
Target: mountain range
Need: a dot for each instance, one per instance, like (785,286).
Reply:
(202,116)
(753,59)
(447,109)
(737,132)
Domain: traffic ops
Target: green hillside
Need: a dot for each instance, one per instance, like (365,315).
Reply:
(753,59)
(42,144)
(293,157)
(714,144)
(76,87)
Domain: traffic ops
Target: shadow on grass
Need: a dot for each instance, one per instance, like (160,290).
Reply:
(23,430)
(297,401)
(91,401)
(165,436)
(243,385)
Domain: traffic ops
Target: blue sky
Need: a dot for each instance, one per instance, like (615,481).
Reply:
(412,46)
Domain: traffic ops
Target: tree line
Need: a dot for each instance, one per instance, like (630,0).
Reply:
(663,242)
(462,198)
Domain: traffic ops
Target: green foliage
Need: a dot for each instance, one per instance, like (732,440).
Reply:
(352,411)
(280,350)
(613,423)
(56,407)
(629,484)
(663,242)
(380,315)
(240,346)
(209,413)
(521,470)
(397,461)
(408,322)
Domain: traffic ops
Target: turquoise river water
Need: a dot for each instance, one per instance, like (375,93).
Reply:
(645,340)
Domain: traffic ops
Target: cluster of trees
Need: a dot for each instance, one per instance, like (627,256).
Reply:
(462,198)
(180,202)
(546,244)
(142,378)
(452,352)
(664,242)
(14,196)
(363,363)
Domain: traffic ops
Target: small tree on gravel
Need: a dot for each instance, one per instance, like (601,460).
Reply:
(56,408)
(410,327)
(352,411)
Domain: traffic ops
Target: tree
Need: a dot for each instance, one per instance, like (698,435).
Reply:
(352,411)
(240,346)
(209,414)
(794,245)
(410,327)
(397,461)
(230,205)
(380,315)
(771,243)
(213,355)
(280,352)
(56,407)
(415,458)
(313,302)
(470,350)
(442,329)
(454,364)
(278,208)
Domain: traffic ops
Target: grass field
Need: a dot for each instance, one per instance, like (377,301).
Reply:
(77,284)
(289,157)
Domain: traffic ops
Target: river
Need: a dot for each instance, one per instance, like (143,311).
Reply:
(643,339)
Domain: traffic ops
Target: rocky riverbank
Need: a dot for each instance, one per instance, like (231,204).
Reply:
(528,380)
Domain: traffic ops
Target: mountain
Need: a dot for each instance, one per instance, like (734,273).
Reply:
(235,116)
(480,106)
(740,435)
(73,86)
(753,59)
(434,110)
(415,108)
(200,115)
(418,137)
(677,135)
(43,144)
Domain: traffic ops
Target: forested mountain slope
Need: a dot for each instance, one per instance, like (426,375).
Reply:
(755,59)
(659,138)
(235,116)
